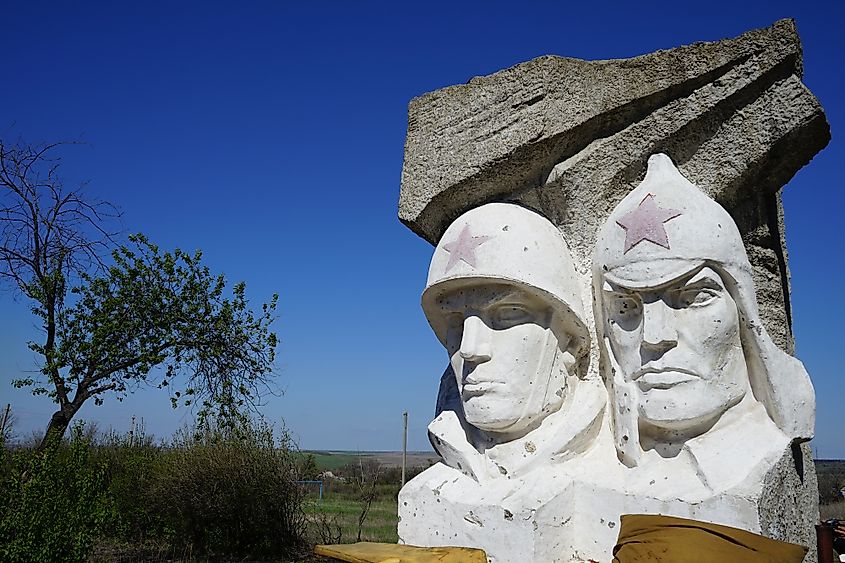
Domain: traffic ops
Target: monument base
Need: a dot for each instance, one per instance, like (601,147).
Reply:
(558,516)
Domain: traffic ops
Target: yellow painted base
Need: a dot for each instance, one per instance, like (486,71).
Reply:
(366,552)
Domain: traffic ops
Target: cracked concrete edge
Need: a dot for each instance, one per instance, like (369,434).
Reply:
(740,129)
(503,132)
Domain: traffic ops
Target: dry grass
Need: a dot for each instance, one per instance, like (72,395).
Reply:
(380,525)
(832,510)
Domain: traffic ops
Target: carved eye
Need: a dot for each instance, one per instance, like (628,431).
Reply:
(625,305)
(454,331)
(697,297)
(624,310)
(506,316)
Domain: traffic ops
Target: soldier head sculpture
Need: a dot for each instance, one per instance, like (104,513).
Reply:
(503,298)
(683,349)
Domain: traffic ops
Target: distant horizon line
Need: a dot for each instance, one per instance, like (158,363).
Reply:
(323,451)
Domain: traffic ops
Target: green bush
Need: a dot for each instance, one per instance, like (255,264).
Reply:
(224,491)
(132,464)
(214,492)
(52,502)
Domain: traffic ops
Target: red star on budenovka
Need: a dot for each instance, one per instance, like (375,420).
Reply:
(463,248)
(646,223)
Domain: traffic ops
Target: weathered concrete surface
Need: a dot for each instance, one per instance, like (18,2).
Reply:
(788,506)
(569,138)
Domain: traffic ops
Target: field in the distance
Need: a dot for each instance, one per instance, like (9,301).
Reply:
(331,460)
(341,505)
(831,476)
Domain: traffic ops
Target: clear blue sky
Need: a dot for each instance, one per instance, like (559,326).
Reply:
(270,135)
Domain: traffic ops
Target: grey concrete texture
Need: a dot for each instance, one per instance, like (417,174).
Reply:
(569,138)
(788,507)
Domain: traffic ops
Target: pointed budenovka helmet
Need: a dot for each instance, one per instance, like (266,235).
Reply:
(663,229)
(506,243)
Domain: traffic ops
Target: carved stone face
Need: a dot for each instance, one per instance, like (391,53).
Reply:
(502,349)
(679,343)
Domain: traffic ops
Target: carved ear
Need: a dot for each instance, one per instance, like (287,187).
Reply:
(569,361)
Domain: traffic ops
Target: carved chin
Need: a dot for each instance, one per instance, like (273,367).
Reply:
(500,416)
(489,415)
(686,406)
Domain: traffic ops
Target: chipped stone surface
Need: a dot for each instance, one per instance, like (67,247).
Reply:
(788,505)
(570,520)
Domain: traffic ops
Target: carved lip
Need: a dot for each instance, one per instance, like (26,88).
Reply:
(473,388)
(662,378)
(659,369)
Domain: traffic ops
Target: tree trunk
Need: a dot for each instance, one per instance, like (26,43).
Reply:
(58,425)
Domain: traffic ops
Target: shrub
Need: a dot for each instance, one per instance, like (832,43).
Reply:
(217,491)
(225,491)
(52,502)
(132,464)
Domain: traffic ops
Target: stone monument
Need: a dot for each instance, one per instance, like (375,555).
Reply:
(706,416)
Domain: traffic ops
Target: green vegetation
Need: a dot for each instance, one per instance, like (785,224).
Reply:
(329,461)
(360,504)
(35,486)
(214,491)
(343,513)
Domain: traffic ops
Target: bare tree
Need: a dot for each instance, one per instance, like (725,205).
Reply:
(48,231)
(147,309)
(366,485)
(49,236)
(8,421)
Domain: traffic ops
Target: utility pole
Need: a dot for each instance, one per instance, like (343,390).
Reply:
(404,446)
(6,419)
(132,432)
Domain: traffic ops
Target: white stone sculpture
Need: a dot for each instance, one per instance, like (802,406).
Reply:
(516,415)
(724,440)
(704,412)
(704,406)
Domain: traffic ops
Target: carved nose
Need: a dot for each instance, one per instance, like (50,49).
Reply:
(475,342)
(659,332)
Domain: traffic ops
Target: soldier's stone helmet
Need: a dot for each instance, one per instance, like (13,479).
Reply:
(506,243)
(667,227)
